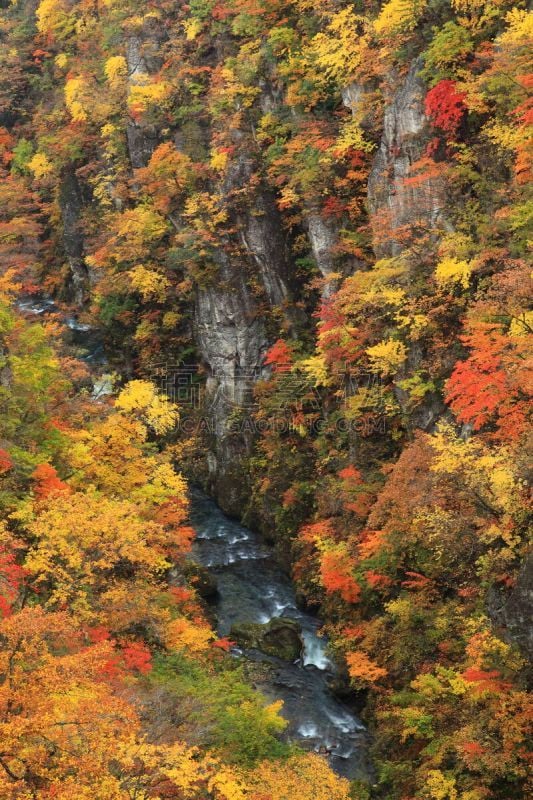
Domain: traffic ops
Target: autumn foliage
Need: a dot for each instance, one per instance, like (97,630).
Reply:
(346,187)
(445,107)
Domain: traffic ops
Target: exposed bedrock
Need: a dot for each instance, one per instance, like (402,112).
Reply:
(396,204)
(401,208)
(143,58)
(512,609)
(323,237)
(260,231)
(231,320)
(71,205)
(231,336)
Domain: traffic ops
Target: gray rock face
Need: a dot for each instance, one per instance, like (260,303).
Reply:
(231,335)
(142,141)
(260,234)
(141,60)
(396,205)
(71,204)
(353,96)
(398,208)
(514,610)
(323,237)
(358,97)
(232,340)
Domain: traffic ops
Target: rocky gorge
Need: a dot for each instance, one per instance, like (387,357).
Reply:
(307,224)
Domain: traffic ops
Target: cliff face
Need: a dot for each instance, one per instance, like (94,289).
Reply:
(230,330)
(229,327)
(231,339)
(143,58)
(403,209)
(230,333)
(511,610)
(71,205)
(399,206)
(323,237)
(261,234)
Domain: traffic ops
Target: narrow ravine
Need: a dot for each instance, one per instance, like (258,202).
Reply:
(252,588)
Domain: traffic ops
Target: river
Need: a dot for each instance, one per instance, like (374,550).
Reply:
(253,588)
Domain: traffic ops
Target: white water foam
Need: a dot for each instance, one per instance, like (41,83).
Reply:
(315,651)
(308,730)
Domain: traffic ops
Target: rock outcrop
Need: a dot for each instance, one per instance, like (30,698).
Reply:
(397,205)
(230,317)
(323,238)
(231,338)
(261,236)
(513,610)
(402,207)
(71,205)
(143,59)
(231,333)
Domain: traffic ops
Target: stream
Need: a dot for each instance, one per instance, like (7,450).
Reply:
(251,587)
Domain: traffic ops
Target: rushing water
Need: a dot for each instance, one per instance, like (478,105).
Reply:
(86,340)
(253,588)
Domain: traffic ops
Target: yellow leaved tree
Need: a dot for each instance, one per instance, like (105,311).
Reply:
(306,777)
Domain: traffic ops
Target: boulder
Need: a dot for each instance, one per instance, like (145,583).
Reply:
(201,579)
(280,637)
